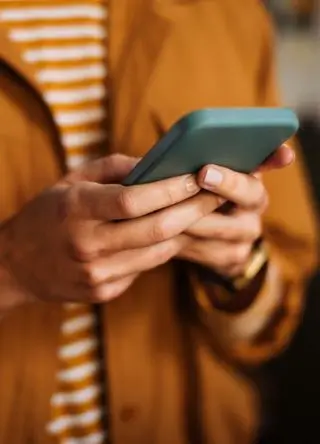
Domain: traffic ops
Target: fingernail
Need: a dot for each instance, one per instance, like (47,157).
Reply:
(213,178)
(291,156)
(191,185)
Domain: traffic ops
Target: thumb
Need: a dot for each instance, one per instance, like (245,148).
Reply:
(109,169)
(283,157)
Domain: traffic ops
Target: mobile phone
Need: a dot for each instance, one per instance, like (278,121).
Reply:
(236,138)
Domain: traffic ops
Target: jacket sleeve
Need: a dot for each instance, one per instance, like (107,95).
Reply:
(265,328)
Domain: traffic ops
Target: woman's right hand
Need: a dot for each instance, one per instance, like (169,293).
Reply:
(86,239)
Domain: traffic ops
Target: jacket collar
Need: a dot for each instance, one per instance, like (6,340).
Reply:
(133,70)
(11,57)
(153,15)
(141,48)
(10,54)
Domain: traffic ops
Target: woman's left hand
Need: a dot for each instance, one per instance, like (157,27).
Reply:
(223,242)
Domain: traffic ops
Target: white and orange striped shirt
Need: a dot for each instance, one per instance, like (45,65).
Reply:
(66,44)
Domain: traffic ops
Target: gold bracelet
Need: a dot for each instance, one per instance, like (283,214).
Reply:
(258,259)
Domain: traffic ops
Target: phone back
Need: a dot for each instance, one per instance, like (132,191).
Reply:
(239,139)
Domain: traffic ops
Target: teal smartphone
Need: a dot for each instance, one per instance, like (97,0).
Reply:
(236,138)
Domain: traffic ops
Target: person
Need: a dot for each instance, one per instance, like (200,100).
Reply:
(136,314)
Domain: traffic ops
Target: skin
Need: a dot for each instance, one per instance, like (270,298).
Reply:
(87,238)
(224,242)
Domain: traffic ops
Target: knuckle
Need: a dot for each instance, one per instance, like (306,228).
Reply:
(219,201)
(262,196)
(71,201)
(104,293)
(165,253)
(170,195)
(241,254)
(220,232)
(234,270)
(191,250)
(233,182)
(233,234)
(111,162)
(251,226)
(77,205)
(160,231)
(80,250)
(225,261)
(113,292)
(90,275)
(256,228)
(126,203)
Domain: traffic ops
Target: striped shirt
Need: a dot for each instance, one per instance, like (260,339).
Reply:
(65,42)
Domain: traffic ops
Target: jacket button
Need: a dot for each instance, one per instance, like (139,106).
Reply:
(128,413)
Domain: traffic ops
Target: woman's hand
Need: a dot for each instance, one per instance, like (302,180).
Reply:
(85,241)
(223,242)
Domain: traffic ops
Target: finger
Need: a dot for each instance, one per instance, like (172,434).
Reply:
(244,190)
(244,226)
(81,292)
(283,157)
(109,169)
(116,202)
(218,255)
(131,262)
(231,271)
(155,228)
(108,291)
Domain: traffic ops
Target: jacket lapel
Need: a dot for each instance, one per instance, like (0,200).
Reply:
(132,70)
(131,63)
(10,57)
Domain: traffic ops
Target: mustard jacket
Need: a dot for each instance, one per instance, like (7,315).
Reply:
(184,382)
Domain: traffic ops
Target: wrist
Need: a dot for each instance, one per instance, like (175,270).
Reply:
(233,300)
(11,294)
(250,323)
(236,295)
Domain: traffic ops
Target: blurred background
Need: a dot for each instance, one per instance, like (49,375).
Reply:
(292,381)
